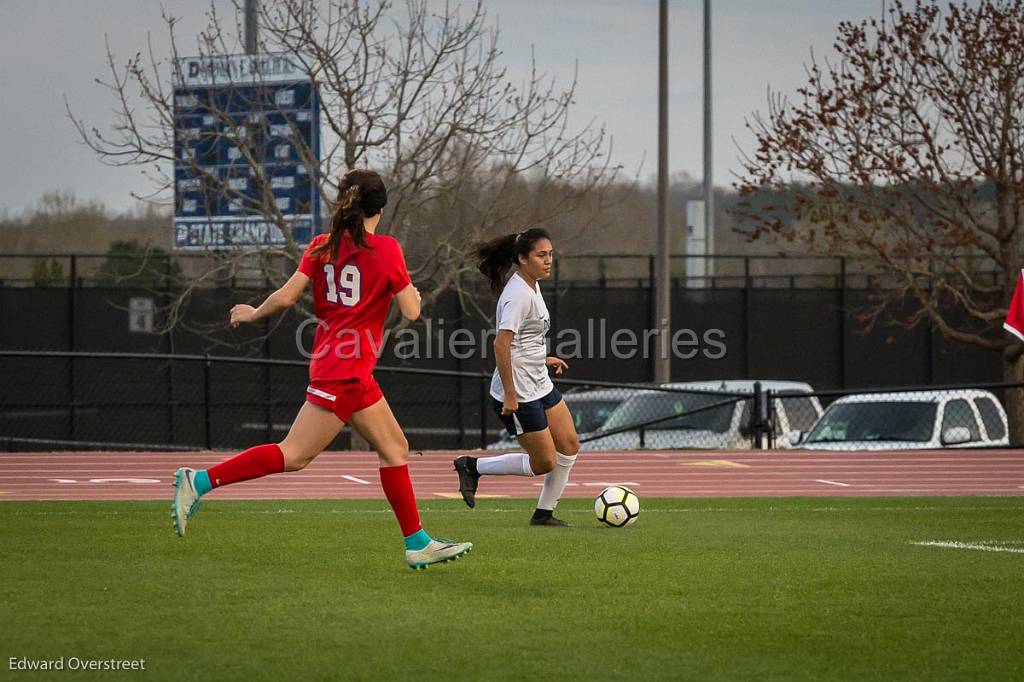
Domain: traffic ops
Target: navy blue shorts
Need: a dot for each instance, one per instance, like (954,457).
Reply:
(530,416)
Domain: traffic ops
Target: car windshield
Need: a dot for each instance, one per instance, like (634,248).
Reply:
(644,408)
(873,421)
(589,415)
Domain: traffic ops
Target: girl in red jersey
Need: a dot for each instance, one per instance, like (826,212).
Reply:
(355,274)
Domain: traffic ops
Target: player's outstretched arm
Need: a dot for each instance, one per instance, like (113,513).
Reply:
(409,302)
(277,302)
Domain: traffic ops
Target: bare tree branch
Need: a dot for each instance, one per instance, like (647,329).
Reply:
(418,95)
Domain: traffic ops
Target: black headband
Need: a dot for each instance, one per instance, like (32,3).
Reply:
(373,200)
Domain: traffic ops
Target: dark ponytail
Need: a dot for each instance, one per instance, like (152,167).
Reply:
(361,194)
(495,258)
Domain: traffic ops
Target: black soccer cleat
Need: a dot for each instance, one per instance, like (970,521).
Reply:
(548,520)
(468,479)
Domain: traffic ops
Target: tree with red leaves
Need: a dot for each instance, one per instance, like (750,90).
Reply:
(906,153)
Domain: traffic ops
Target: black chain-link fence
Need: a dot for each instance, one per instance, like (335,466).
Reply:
(136,266)
(64,400)
(739,327)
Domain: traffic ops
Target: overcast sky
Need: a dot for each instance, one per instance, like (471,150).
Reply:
(54,49)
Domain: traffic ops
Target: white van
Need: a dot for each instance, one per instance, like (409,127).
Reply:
(912,420)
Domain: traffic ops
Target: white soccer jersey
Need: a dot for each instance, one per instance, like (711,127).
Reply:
(522,311)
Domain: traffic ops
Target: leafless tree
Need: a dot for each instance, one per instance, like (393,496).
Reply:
(906,150)
(418,95)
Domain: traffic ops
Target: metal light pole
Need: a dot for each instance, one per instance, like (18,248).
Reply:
(709,179)
(250,26)
(662,311)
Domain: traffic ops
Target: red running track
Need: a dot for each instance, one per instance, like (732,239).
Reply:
(344,475)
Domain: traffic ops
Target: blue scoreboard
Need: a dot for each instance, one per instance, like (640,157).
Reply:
(246,138)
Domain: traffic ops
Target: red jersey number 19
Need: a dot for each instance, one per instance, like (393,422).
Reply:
(344,289)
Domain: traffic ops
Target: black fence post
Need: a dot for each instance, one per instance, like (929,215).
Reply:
(756,411)
(842,322)
(460,389)
(170,401)
(72,343)
(72,286)
(746,315)
(651,353)
(483,413)
(769,418)
(929,328)
(460,401)
(72,402)
(206,401)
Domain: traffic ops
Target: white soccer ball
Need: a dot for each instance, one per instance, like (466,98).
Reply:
(617,506)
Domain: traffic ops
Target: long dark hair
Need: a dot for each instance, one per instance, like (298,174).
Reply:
(496,257)
(361,194)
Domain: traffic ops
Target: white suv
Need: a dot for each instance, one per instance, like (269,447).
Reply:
(725,427)
(962,418)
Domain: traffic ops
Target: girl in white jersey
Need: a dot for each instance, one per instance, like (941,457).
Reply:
(523,396)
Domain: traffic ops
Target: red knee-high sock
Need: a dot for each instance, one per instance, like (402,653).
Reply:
(398,489)
(255,462)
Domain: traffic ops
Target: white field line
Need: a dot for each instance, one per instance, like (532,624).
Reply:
(734,474)
(118,493)
(624,466)
(822,480)
(500,510)
(146,477)
(602,484)
(850,460)
(597,456)
(292,481)
(980,546)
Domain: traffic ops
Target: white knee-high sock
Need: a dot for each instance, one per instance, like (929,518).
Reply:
(512,464)
(554,482)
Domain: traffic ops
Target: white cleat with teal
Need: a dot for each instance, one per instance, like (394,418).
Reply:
(186,499)
(436,553)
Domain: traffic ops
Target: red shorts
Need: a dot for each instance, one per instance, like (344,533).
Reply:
(345,397)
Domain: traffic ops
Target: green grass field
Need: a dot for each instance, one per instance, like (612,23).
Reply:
(697,589)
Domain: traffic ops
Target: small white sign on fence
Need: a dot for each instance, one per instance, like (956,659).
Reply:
(140,315)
